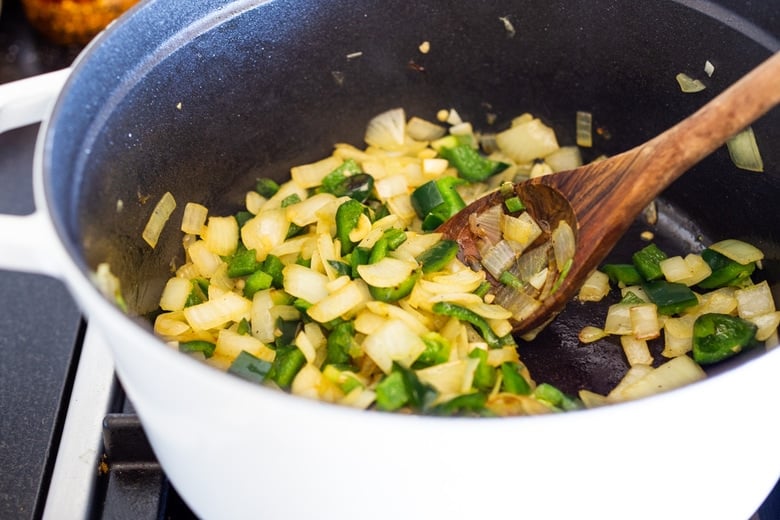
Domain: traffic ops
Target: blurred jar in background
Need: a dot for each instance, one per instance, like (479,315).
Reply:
(67,22)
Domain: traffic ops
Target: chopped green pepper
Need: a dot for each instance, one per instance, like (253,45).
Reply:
(647,262)
(719,336)
(243,327)
(266,187)
(627,274)
(632,298)
(470,164)
(273,266)
(242,263)
(395,237)
(340,342)
(395,293)
(257,281)
(483,289)
(287,331)
(288,361)
(242,217)
(358,256)
(289,200)
(199,292)
(484,374)
(250,367)
(511,280)
(514,204)
(725,271)
(357,187)
(436,201)
(420,395)
(341,268)
(391,392)
(437,350)
(547,393)
(347,218)
(348,180)
(204,347)
(438,255)
(669,297)
(332,180)
(466,404)
(512,380)
(379,250)
(467,315)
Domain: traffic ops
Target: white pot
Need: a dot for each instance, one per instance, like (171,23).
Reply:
(236,450)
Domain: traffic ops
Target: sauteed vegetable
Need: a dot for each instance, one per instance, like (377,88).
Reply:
(335,285)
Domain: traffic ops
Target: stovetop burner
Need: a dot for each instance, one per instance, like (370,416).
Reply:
(71,445)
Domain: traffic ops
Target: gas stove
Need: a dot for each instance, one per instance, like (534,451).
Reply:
(71,446)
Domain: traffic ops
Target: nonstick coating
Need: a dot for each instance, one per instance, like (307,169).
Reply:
(216,94)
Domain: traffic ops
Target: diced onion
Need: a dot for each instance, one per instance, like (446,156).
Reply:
(311,175)
(675,373)
(218,311)
(498,258)
(221,235)
(393,341)
(595,288)
(589,334)
(563,243)
(488,224)
(231,343)
(305,283)
(204,259)
(388,272)
(688,84)
(618,319)
(754,300)
(194,218)
(584,127)
(423,130)
(340,302)
(689,270)
(447,377)
(564,158)
(520,231)
(636,350)
(265,231)
(520,304)
(644,321)
(737,250)
(532,262)
(160,215)
(175,294)
(387,129)
(528,141)
(305,212)
(744,152)
(767,324)
(263,324)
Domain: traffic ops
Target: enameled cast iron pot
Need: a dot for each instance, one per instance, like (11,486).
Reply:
(200,98)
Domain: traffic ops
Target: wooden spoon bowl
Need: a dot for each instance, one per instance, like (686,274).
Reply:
(600,200)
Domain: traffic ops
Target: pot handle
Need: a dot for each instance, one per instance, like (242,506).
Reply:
(25,241)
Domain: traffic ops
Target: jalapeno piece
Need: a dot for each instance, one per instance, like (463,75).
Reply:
(648,262)
(719,336)
(347,217)
(392,294)
(470,164)
(438,255)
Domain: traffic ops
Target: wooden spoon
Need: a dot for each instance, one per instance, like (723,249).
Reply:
(600,200)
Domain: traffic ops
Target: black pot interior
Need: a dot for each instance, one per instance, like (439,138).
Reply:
(201,99)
